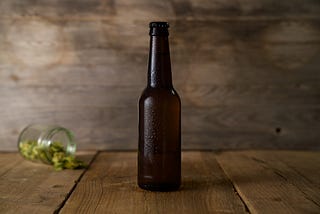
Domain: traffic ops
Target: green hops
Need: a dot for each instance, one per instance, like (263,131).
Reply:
(55,155)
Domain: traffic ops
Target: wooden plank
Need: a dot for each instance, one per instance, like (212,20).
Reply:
(245,140)
(195,8)
(267,185)
(110,185)
(7,165)
(220,118)
(92,10)
(70,57)
(28,187)
(52,8)
(306,181)
(191,95)
(95,96)
(204,8)
(308,169)
(240,94)
(202,128)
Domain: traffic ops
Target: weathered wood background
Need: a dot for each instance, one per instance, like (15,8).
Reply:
(248,71)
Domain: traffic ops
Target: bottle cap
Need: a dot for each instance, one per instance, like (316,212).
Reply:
(159,29)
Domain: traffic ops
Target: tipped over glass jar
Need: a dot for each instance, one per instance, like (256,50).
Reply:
(50,144)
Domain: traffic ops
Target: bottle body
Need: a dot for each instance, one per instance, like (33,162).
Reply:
(159,158)
(159,152)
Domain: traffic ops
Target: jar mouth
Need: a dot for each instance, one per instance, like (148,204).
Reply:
(68,144)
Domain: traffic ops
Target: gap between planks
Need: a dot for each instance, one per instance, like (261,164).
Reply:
(75,185)
(28,187)
(275,181)
(110,186)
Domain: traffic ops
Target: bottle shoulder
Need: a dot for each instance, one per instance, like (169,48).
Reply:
(159,93)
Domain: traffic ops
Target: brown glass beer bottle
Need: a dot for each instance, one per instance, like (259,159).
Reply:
(159,153)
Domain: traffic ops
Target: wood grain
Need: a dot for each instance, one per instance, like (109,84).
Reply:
(179,8)
(308,168)
(34,188)
(243,69)
(110,185)
(304,181)
(248,181)
(267,184)
(204,128)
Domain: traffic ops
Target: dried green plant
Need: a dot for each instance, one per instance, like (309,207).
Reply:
(55,155)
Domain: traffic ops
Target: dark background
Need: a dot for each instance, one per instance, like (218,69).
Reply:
(247,71)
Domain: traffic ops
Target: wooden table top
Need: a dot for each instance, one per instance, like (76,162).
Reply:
(212,182)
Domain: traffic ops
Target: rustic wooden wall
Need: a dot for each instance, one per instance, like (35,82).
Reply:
(248,71)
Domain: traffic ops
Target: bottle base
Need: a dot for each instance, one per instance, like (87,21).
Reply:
(160,187)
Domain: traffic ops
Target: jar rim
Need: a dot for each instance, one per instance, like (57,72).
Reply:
(52,131)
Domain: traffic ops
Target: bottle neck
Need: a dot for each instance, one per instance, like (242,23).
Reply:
(159,68)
